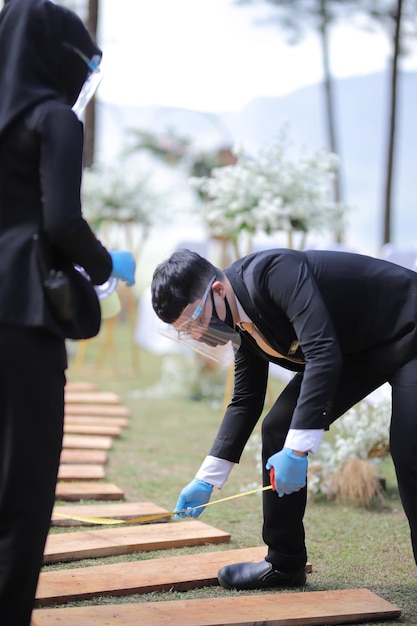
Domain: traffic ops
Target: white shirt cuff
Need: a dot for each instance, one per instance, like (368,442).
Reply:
(215,471)
(304,440)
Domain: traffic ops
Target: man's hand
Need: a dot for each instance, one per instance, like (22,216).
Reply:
(197,492)
(289,471)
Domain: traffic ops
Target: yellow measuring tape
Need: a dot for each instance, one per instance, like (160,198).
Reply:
(151,518)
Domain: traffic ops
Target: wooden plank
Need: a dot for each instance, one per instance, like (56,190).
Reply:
(118,510)
(71,456)
(90,544)
(79,385)
(91,397)
(92,429)
(93,420)
(178,573)
(90,442)
(88,491)
(95,409)
(314,608)
(81,472)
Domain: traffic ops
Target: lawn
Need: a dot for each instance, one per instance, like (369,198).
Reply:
(167,438)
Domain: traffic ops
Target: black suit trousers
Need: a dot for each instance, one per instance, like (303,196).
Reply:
(32,381)
(283,529)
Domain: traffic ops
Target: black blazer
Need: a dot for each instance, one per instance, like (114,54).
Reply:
(40,173)
(320,308)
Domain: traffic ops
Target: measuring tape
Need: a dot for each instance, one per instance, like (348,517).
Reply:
(150,518)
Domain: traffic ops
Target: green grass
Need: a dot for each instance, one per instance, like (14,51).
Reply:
(349,546)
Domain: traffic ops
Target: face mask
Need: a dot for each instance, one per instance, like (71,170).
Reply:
(219,332)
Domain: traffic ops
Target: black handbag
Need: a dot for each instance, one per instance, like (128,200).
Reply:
(71,296)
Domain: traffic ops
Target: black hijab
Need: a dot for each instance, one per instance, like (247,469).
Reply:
(38,61)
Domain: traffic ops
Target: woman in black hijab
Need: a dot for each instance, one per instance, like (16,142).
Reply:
(46,56)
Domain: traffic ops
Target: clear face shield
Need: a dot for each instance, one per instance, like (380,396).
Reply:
(203,331)
(91,84)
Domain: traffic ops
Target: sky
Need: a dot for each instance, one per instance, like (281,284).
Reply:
(212,55)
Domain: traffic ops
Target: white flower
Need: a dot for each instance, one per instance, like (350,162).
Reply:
(362,433)
(117,193)
(273,190)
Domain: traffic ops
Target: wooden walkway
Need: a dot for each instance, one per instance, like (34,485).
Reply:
(295,609)
(92,420)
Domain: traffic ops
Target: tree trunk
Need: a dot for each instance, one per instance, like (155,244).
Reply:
(392,127)
(329,102)
(90,112)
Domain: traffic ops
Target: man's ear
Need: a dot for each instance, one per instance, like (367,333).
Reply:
(218,287)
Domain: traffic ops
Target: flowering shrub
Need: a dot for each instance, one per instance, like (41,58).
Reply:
(362,435)
(271,192)
(117,194)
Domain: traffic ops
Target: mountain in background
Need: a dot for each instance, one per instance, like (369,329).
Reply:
(362,123)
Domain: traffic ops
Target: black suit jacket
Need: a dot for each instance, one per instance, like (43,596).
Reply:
(40,173)
(321,308)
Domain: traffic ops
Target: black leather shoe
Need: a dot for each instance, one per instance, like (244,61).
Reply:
(258,576)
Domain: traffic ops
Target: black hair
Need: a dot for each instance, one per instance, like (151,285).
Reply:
(179,280)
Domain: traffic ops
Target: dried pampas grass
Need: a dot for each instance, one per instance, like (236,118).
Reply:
(356,480)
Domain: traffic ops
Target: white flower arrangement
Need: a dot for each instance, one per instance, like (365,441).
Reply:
(117,194)
(361,435)
(271,191)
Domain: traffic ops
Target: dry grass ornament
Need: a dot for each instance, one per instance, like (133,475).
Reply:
(356,480)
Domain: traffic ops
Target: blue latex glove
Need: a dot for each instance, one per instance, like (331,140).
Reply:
(290,471)
(124,266)
(195,493)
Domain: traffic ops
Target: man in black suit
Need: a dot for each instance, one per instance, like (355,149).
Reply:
(345,324)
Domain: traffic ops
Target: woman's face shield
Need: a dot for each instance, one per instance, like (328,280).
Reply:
(200,329)
(91,84)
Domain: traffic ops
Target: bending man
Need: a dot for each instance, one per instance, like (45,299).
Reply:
(345,324)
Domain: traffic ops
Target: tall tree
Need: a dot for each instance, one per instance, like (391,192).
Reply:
(399,20)
(323,22)
(90,112)
(397,16)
